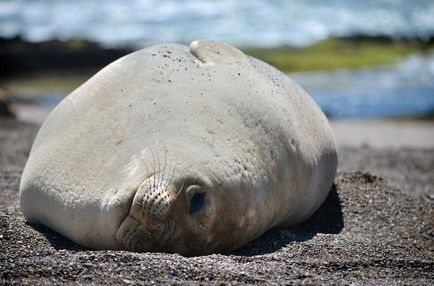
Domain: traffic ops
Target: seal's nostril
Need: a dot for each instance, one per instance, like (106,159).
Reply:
(197,202)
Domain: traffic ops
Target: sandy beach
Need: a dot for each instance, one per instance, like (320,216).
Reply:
(376,226)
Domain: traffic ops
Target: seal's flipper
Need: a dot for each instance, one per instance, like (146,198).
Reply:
(208,51)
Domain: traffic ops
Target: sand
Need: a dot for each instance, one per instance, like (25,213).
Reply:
(376,227)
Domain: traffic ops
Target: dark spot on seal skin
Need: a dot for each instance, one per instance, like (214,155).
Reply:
(197,202)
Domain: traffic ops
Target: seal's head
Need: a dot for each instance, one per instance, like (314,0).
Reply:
(185,215)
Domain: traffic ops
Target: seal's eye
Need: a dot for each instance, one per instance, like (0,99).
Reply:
(197,202)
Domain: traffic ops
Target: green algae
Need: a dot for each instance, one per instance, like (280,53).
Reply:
(338,53)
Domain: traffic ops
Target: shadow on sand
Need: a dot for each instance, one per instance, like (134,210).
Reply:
(328,219)
(57,241)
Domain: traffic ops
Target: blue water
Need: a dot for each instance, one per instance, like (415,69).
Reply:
(254,22)
(404,89)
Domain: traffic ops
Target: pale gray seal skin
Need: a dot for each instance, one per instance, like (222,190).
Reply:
(192,150)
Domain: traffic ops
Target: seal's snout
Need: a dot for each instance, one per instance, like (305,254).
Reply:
(147,223)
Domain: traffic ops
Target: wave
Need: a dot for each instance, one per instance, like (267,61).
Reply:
(398,90)
(243,23)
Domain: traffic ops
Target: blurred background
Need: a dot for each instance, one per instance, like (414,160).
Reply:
(370,59)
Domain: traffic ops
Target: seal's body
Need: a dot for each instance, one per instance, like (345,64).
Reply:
(192,150)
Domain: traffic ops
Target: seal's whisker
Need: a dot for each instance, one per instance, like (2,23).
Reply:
(148,186)
(153,159)
(159,171)
(149,174)
(164,167)
(171,178)
(179,191)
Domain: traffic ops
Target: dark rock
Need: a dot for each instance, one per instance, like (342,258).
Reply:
(18,56)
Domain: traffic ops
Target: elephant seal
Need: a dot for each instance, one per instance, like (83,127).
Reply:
(192,150)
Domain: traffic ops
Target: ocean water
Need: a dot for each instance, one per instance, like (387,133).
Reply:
(253,23)
(399,90)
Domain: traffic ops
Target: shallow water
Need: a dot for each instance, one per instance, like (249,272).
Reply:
(253,23)
(404,89)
